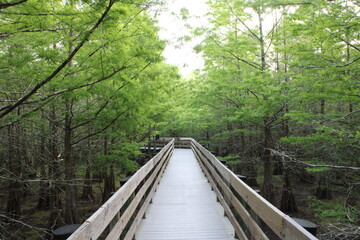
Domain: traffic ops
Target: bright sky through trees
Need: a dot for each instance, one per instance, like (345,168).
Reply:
(173,29)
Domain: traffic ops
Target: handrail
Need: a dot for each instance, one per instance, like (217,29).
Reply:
(241,203)
(121,214)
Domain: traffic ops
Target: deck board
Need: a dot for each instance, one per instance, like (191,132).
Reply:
(184,207)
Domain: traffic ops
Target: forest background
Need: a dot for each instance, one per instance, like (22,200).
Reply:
(83,84)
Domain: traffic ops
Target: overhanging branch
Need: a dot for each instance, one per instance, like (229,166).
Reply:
(284,156)
(62,66)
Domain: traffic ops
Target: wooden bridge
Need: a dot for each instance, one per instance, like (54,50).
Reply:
(184,192)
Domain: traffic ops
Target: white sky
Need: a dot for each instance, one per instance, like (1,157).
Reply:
(172,28)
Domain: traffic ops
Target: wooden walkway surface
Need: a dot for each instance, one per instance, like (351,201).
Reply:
(184,207)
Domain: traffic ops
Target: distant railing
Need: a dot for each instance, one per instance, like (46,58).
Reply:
(242,205)
(119,217)
(180,142)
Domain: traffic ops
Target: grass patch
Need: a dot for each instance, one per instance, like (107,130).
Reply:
(333,210)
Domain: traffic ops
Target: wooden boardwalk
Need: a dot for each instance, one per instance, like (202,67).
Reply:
(184,207)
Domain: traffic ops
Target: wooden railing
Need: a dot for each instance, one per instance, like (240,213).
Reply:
(250,214)
(243,206)
(180,142)
(120,216)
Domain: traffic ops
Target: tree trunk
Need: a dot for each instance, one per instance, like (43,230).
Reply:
(251,174)
(109,179)
(278,168)
(207,138)
(13,206)
(27,166)
(322,106)
(71,215)
(55,175)
(87,189)
(242,140)
(267,190)
(109,183)
(322,190)
(43,200)
(288,203)
(229,140)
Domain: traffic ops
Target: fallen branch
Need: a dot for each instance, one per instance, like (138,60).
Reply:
(10,219)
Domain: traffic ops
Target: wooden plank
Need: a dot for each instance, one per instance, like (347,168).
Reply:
(255,230)
(293,231)
(103,216)
(253,227)
(130,234)
(239,231)
(184,207)
(81,232)
(96,224)
(182,146)
(166,139)
(217,179)
(183,141)
(272,216)
(125,217)
(218,165)
(134,204)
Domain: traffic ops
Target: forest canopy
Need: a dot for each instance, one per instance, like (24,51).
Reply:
(279,97)
(84,84)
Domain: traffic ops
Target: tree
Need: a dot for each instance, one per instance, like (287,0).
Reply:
(89,73)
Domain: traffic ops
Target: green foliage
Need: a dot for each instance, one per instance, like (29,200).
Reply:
(330,211)
(92,111)
(232,161)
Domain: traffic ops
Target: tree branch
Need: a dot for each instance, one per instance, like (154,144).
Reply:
(23,116)
(6,5)
(103,129)
(314,67)
(108,101)
(242,22)
(3,35)
(45,14)
(77,87)
(254,65)
(8,218)
(345,116)
(63,65)
(292,159)
(290,4)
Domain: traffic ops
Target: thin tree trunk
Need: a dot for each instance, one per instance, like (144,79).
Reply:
(323,190)
(109,180)
(71,215)
(43,201)
(267,190)
(55,175)
(27,168)
(87,189)
(322,106)
(13,207)
(288,203)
